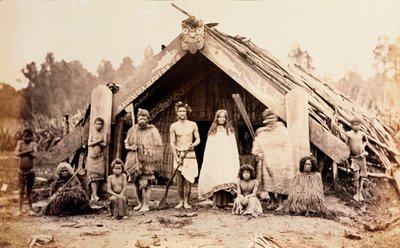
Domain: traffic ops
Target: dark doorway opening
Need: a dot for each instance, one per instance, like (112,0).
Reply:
(203,126)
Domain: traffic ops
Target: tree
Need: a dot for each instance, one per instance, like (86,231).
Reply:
(301,58)
(387,58)
(148,54)
(58,88)
(125,70)
(105,71)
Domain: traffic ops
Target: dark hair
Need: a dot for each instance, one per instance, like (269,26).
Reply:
(99,119)
(180,104)
(27,132)
(313,160)
(214,126)
(117,162)
(355,121)
(248,168)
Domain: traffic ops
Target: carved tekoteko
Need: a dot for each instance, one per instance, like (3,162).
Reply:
(192,34)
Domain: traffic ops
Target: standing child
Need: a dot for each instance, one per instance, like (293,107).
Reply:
(307,194)
(96,161)
(116,186)
(26,150)
(356,140)
(246,201)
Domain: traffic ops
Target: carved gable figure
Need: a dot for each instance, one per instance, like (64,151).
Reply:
(192,34)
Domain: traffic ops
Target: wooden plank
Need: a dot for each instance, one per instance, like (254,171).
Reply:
(297,123)
(331,145)
(67,145)
(101,106)
(260,87)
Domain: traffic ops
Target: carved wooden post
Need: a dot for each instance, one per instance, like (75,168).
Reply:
(297,123)
(118,138)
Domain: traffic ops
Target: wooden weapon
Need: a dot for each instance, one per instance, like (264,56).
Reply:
(163,200)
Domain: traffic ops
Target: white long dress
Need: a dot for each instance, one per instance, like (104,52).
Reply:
(220,164)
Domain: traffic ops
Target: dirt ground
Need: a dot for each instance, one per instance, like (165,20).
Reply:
(201,226)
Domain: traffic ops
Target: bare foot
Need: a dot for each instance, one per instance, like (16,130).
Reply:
(180,205)
(94,198)
(355,197)
(139,206)
(271,206)
(254,215)
(31,212)
(144,209)
(186,205)
(362,197)
(279,208)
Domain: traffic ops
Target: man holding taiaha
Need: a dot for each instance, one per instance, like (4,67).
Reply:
(182,133)
(144,145)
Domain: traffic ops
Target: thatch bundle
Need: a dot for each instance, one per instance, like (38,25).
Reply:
(307,194)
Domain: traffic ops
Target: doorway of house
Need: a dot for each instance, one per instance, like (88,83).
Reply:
(203,126)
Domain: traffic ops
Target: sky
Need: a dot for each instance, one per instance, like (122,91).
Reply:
(340,35)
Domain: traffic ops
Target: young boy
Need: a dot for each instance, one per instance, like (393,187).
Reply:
(26,150)
(116,186)
(356,140)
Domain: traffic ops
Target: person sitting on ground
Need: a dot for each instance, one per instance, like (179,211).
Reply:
(356,140)
(116,187)
(246,201)
(67,194)
(307,194)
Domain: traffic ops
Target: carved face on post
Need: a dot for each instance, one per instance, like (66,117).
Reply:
(192,34)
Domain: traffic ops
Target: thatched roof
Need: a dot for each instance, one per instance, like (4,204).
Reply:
(332,110)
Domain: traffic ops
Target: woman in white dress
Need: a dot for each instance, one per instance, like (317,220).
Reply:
(221,164)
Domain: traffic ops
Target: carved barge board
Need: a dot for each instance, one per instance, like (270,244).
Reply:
(147,74)
(261,88)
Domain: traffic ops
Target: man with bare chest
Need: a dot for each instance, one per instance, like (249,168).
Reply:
(356,140)
(182,133)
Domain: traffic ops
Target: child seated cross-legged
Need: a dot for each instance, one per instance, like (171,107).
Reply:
(246,201)
(307,194)
(116,186)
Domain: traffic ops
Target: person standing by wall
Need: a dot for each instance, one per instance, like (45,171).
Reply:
(182,133)
(274,150)
(144,145)
(221,162)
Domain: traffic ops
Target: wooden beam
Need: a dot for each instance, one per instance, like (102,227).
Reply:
(261,88)
(297,123)
(70,143)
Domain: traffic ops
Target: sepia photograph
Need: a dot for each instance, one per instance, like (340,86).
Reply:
(227,123)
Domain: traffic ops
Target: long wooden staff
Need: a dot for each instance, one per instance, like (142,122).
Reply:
(243,112)
(163,200)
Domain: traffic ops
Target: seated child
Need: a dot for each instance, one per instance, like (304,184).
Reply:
(246,201)
(67,195)
(307,194)
(116,186)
